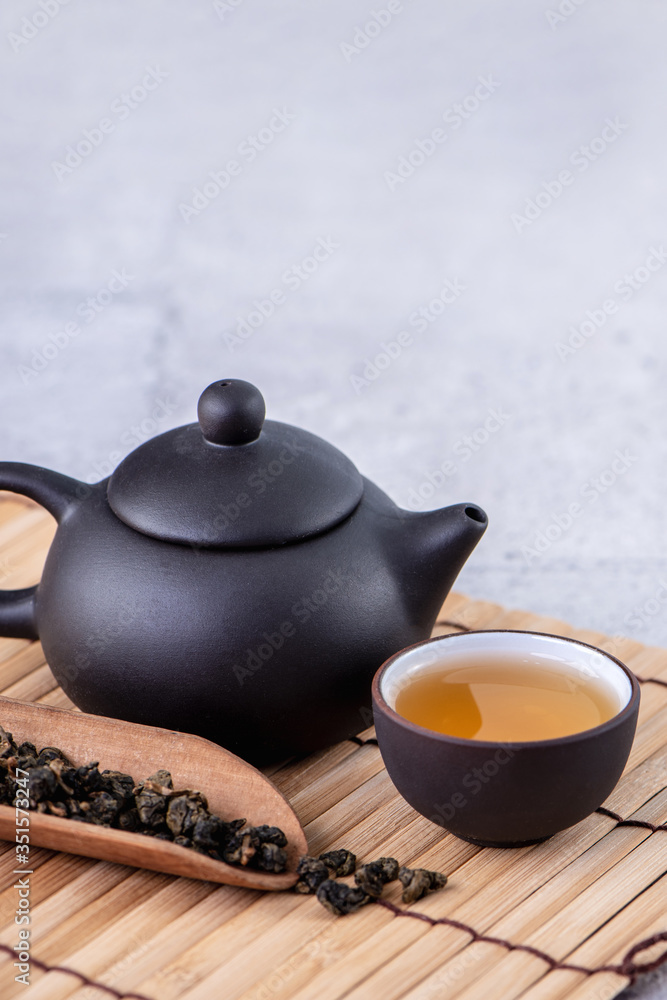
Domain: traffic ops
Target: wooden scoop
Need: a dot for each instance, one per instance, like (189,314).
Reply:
(234,789)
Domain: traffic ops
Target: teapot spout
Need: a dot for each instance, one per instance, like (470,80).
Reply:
(439,542)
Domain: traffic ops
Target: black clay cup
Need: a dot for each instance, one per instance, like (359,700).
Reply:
(515,793)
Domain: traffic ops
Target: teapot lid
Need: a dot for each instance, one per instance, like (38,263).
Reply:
(234,480)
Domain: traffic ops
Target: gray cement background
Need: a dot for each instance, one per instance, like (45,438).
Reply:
(78,402)
(494,347)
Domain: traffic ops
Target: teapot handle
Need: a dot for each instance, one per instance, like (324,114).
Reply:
(58,494)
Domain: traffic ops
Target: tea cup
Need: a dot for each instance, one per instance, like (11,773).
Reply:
(505,794)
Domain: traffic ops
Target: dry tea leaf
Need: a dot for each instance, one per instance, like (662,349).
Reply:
(341,899)
(373,877)
(152,807)
(417,882)
(339,863)
(312,873)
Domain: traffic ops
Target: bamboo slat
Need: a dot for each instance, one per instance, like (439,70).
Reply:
(584,897)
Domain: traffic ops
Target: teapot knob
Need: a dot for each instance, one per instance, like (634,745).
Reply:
(231,412)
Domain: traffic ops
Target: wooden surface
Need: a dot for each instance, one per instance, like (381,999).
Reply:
(585,896)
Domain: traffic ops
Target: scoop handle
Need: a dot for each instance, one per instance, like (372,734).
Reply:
(58,494)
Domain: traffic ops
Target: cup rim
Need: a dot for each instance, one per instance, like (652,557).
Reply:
(616,720)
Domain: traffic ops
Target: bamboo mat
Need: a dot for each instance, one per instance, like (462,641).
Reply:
(583,898)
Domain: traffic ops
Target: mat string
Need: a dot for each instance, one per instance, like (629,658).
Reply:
(631,822)
(84,980)
(651,680)
(363,743)
(627,967)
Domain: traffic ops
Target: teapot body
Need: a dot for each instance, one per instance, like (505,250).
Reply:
(268,652)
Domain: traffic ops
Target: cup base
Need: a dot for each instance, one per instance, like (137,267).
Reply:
(501,843)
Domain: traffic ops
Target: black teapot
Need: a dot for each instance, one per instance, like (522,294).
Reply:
(234,578)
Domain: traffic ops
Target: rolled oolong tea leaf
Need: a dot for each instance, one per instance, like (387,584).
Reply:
(341,899)
(183,812)
(103,808)
(208,834)
(271,835)
(8,747)
(270,858)
(212,835)
(57,809)
(86,779)
(255,847)
(42,784)
(230,829)
(8,784)
(151,798)
(78,810)
(241,847)
(417,882)
(48,754)
(65,776)
(311,872)
(373,877)
(7,790)
(120,786)
(339,863)
(270,855)
(162,777)
(22,761)
(152,807)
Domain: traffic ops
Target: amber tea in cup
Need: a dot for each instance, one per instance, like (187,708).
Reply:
(505,696)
